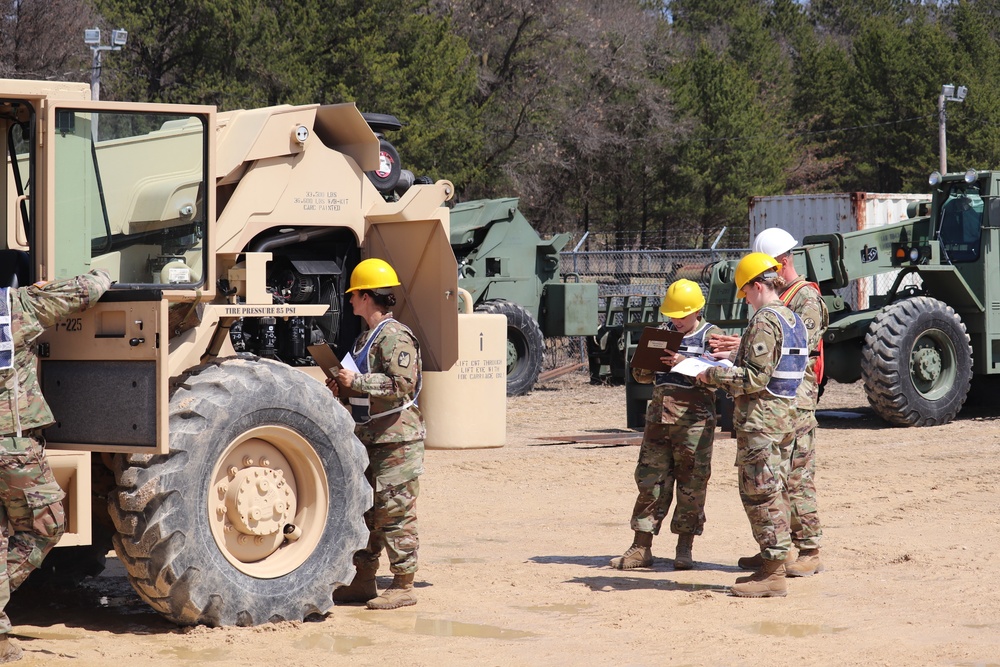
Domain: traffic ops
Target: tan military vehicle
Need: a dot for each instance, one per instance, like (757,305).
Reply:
(237,489)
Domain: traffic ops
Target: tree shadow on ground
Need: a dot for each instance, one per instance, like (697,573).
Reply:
(601,562)
(611,583)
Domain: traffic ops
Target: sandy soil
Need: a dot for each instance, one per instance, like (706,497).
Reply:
(515,544)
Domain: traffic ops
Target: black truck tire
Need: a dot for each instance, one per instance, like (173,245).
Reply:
(916,364)
(255,514)
(386,176)
(525,345)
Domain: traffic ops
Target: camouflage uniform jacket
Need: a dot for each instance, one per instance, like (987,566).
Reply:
(808,304)
(672,404)
(34,309)
(755,408)
(394,374)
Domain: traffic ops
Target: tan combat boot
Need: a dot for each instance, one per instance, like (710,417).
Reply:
(806,565)
(362,588)
(682,558)
(752,563)
(399,594)
(9,651)
(637,555)
(769,582)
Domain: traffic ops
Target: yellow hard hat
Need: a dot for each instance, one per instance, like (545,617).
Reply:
(372,274)
(752,266)
(683,297)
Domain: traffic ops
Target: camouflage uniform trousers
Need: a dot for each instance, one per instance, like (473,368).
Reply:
(763,463)
(669,454)
(31,514)
(805,525)
(393,472)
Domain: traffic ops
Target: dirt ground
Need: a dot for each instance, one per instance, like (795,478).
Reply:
(515,544)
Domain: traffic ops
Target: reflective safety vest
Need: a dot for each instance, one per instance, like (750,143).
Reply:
(361,405)
(7,352)
(692,345)
(6,334)
(791,368)
(786,298)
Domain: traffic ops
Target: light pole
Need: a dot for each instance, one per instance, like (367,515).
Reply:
(948,94)
(92,38)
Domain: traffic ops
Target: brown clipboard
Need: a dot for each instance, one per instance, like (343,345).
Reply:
(330,364)
(652,344)
(326,359)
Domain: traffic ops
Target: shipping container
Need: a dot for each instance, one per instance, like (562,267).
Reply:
(803,215)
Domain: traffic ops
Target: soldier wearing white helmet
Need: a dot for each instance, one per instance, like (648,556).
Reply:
(774,242)
(805,300)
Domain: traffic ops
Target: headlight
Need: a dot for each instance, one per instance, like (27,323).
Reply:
(935,178)
(970,176)
(914,254)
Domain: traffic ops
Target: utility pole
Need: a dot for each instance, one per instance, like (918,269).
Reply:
(948,94)
(92,38)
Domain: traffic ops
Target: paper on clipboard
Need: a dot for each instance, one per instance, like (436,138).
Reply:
(692,366)
(348,363)
(329,362)
(652,344)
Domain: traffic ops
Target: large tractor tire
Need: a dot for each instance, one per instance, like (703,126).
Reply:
(917,363)
(525,345)
(256,512)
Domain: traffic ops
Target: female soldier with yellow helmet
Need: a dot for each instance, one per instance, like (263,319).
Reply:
(763,380)
(383,403)
(677,441)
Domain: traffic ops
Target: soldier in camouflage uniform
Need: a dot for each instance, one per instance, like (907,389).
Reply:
(677,441)
(382,400)
(764,379)
(804,299)
(31,513)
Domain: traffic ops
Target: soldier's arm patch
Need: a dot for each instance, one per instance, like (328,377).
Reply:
(759,348)
(809,322)
(403,361)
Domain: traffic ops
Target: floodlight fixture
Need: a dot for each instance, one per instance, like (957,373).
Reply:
(948,94)
(119,37)
(92,36)
(953,94)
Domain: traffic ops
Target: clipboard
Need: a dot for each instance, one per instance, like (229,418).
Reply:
(653,343)
(326,359)
(330,364)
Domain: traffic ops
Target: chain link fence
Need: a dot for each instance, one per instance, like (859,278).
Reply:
(631,284)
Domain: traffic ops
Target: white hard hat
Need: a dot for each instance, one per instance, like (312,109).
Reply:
(774,242)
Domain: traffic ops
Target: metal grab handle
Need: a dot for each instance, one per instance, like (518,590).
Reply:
(19,221)
(466,299)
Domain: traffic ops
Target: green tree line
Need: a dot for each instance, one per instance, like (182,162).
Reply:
(656,120)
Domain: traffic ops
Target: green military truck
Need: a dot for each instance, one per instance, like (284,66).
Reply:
(510,270)
(917,347)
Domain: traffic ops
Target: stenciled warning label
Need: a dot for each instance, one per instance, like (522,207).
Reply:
(315,200)
(262,311)
(481,369)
